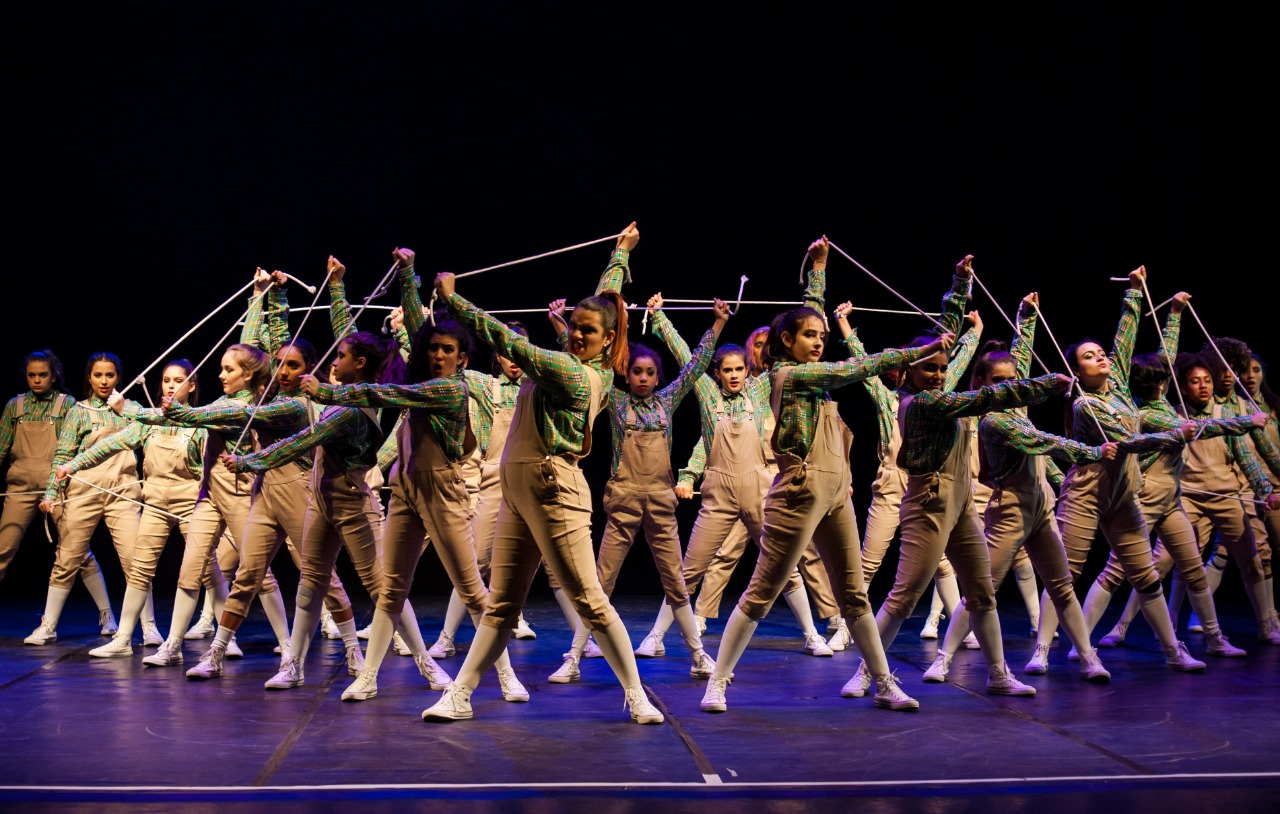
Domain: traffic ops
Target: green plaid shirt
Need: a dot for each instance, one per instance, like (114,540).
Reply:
(136,436)
(1262,444)
(281,417)
(34,408)
(339,309)
(1240,452)
(480,387)
(80,421)
(442,400)
(347,435)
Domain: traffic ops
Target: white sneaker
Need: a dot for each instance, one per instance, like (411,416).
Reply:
(202,629)
(1073,654)
(512,689)
(701,623)
(890,696)
(281,649)
(930,629)
(523,631)
(443,648)
(119,647)
(1269,631)
(1193,624)
(857,686)
(363,688)
(1039,664)
(1091,669)
(1115,638)
(209,666)
(108,621)
(1177,658)
(713,699)
(652,646)
(592,650)
(328,627)
(841,639)
(971,642)
(355,661)
(703,666)
(568,671)
(170,653)
(151,634)
(642,711)
(233,649)
(45,633)
(436,677)
(401,646)
(1216,644)
(815,645)
(454,705)
(363,633)
(937,672)
(1006,684)
(290,675)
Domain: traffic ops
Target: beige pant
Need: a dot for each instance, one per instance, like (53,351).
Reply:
(21,510)
(337,518)
(1101,495)
(546,513)
(882,518)
(720,569)
(79,518)
(1021,522)
(155,528)
(485,519)
(1227,515)
(1175,545)
(627,511)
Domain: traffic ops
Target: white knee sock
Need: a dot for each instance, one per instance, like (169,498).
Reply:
(957,629)
(54,602)
(97,586)
(665,617)
(134,602)
(733,642)
(566,608)
(306,619)
(503,660)
(1157,615)
(488,644)
(348,631)
(1213,571)
(184,606)
(1177,593)
(273,606)
(1026,579)
(1202,604)
(1077,627)
(798,601)
(986,627)
(866,636)
(888,625)
(579,643)
(381,632)
(1048,621)
(207,608)
(688,628)
(410,631)
(1130,611)
(1095,604)
(946,595)
(615,645)
(453,615)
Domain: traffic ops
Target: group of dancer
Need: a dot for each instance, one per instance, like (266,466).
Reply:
(485,466)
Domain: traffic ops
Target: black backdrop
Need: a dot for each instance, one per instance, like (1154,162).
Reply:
(156,154)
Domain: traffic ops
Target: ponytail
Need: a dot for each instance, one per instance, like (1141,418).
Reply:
(613,317)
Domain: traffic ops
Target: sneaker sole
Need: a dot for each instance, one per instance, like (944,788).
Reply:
(197,636)
(151,662)
(120,654)
(516,699)
(654,655)
(714,707)
(360,696)
(647,719)
(438,655)
(899,706)
(817,653)
(934,679)
(198,677)
(1100,678)
(563,680)
(526,637)
(1007,693)
(1180,668)
(288,686)
(439,718)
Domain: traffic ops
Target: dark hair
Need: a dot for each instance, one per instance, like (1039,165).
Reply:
(193,389)
(1264,390)
(790,321)
(518,327)
(1187,362)
(730,349)
(382,360)
(1146,373)
(1236,353)
(255,362)
(637,351)
(1073,351)
(749,357)
(101,356)
(419,368)
(993,352)
(309,357)
(55,367)
(613,317)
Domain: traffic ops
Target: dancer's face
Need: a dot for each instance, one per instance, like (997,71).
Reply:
(757,349)
(642,376)
(732,373)
(1251,378)
(999,372)
(1199,388)
(233,376)
(290,366)
(447,358)
(39,377)
(1225,383)
(806,344)
(1092,365)
(102,378)
(930,373)
(509,368)
(587,336)
(172,380)
(347,366)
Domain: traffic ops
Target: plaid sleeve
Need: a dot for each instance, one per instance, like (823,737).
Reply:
(131,437)
(411,300)
(74,428)
(326,429)
(664,330)
(815,292)
(1020,434)
(434,396)
(1023,339)
(818,376)
(1002,396)
(1126,335)
(616,273)
(953,303)
(966,346)
(693,370)
(339,309)
(251,331)
(696,466)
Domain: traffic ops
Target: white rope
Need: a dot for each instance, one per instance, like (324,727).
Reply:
(1079,387)
(87,495)
(15,494)
(131,500)
(150,400)
(1222,359)
(1220,494)
(1168,357)
(218,344)
(1012,324)
(891,289)
(310,288)
(182,338)
(327,307)
(1157,307)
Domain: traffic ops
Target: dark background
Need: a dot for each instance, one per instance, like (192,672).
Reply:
(156,154)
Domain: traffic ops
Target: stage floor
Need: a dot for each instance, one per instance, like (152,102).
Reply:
(110,735)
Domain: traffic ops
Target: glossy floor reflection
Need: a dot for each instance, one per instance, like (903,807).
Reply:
(85,733)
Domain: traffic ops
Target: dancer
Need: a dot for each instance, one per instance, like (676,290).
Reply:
(98,497)
(546,509)
(1253,379)
(640,492)
(29,429)
(1104,494)
(810,497)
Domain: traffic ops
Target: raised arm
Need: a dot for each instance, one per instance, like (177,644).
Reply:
(339,308)
(1127,329)
(1172,330)
(252,332)
(880,394)
(955,300)
(815,293)
(276,335)
(693,370)
(1024,338)
(965,348)
(619,270)
(410,299)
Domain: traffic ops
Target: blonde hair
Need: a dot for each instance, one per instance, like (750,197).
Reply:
(255,364)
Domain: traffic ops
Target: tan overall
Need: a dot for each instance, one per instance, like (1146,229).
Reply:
(429,504)
(223,505)
(545,514)
(1164,515)
(31,459)
(1105,494)
(336,517)
(1209,466)
(938,518)
(170,486)
(486,510)
(1019,517)
(87,506)
(1266,525)
(886,504)
(809,500)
